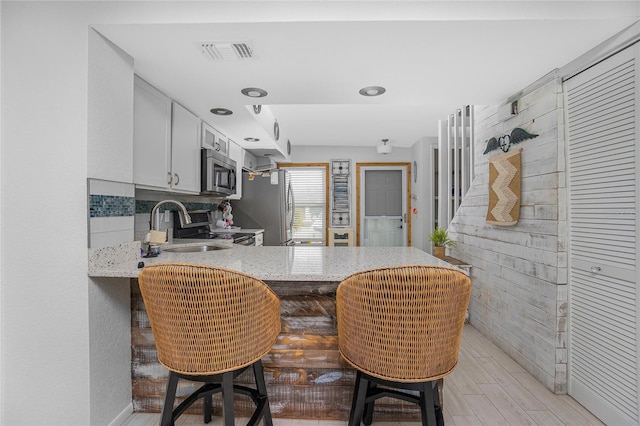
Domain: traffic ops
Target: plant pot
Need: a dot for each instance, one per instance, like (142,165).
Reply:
(438,251)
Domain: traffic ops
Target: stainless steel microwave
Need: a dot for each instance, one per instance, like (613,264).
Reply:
(218,173)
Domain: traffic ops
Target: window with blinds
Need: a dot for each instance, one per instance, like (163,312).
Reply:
(309,185)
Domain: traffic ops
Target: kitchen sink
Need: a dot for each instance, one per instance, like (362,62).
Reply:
(191,249)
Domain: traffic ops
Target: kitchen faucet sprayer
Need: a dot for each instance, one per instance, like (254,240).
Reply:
(187,217)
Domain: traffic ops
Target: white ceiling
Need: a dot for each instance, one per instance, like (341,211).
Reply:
(312,70)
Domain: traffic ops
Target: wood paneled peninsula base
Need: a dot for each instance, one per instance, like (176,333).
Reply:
(304,373)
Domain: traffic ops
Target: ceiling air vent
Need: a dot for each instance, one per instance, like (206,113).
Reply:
(218,51)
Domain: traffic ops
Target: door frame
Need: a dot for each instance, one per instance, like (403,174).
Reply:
(407,167)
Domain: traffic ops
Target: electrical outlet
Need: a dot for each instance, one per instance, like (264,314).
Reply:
(167,216)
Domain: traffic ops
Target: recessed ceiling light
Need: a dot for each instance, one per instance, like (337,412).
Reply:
(252,139)
(221,111)
(372,91)
(254,92)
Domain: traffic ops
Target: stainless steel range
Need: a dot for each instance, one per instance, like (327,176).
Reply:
(200,228)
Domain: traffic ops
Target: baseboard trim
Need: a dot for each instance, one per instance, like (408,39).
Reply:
(124,415)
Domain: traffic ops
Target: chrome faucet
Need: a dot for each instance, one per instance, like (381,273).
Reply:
(187,218)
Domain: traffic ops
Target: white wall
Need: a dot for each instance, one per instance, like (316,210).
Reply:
(110,171)
(109,111)
(519,272)
(2,403)
(44,166)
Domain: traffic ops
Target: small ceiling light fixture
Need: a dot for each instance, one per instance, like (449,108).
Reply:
(254,92)
(372,91)
(221,111)
(384,148)
(252,139)
(257,109)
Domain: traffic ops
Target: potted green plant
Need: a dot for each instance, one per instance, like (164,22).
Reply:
(441,240)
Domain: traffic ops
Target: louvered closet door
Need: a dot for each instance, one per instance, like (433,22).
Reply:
(602,119)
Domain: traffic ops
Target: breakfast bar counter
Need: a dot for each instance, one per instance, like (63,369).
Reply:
(305,376)
(268,263)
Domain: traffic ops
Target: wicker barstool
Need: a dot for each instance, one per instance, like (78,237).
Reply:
(210,324)
(401,327)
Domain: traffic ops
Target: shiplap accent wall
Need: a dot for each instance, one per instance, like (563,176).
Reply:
(519,273)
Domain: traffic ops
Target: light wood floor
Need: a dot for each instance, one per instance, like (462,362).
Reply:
(486,388)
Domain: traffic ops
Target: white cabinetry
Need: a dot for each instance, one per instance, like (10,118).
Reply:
(250,161)
(213,139)
(236,152)
(151,136)
(185,151)
(166,142)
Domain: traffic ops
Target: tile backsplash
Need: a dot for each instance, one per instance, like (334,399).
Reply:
(111,205)
(111,209)
(146,200)
(118,213)
(145,206)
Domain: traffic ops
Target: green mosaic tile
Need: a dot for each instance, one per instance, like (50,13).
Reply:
(111,206)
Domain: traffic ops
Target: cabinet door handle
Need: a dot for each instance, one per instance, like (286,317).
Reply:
(177,179)
(596,269)
(169,178)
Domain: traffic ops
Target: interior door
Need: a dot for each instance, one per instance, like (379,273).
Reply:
(383,211)
(602,119)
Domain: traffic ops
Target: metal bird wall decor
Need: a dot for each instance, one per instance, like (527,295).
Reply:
(504,142)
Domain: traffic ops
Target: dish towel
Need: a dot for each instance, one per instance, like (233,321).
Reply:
(504,189)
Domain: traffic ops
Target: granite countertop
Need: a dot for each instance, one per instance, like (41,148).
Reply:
(268,263)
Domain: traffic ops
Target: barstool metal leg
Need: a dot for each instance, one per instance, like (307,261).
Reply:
(169,398)
(208,408)
(359,397)
(437,403)
(427,405)
(368,408)
(258,372)
(227,399)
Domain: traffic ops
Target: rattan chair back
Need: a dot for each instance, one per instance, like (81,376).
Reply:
(403,323)
(208,320)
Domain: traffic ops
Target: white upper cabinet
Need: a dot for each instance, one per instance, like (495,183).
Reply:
(151,136)
(249,161)
(185,151)
(236,152)
(213,139)
(166,142)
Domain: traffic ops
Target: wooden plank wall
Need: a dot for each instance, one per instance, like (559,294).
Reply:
(305,376)
(519,273)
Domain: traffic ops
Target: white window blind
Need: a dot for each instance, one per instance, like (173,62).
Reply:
(309,186)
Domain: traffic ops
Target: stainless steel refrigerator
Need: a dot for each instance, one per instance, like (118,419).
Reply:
(267,203)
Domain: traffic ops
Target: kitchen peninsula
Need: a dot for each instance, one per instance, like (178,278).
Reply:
(304,373)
